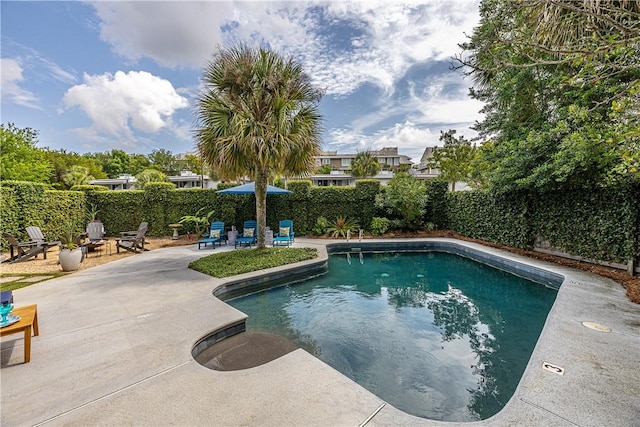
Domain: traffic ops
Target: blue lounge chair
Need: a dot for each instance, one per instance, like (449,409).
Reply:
(215,235)
(249,234)
(285,234)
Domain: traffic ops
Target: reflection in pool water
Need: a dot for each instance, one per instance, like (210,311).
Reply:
(434,334)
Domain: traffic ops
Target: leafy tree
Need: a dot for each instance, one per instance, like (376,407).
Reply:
(20,159)
(324,170)
(149,175)
(76,175)
(62,161)
(406,197)
(454,159)
(164,161)
(365,164)
(558,78)
(117,162)
(258,116)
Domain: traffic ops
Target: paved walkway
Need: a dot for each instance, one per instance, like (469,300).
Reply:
(115,349)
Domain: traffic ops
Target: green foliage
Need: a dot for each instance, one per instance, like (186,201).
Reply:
(200,221)
(71,234)
(365,164)
(163,161)
(231,263)
(436,208)
(76,175)
(148,176)
(498,218)
(63,161)
(60,208)
(324,170)
(600,225)
(379,226)
(405,197)
(454,159)
(341,226)
(560,84)
(321,226)
(89,188)
(20,159)
(9,216)
(365,198)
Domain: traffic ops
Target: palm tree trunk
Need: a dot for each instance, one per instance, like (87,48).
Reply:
(261,207)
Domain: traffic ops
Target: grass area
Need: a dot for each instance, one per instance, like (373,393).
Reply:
(20,283)
(230,263)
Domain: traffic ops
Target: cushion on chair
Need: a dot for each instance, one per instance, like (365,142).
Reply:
(248,232)
(284,232)
(215,234)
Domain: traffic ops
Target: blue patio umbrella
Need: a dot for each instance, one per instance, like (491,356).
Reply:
(250,188)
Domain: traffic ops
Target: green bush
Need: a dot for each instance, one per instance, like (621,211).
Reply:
(379,226)
(321,226)
(341,226)
(89,188)
(231,263)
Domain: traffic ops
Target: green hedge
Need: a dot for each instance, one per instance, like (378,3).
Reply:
(496,218)
(601,224)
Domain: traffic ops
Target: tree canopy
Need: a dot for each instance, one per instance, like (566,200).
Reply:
(20,159)
(561,86)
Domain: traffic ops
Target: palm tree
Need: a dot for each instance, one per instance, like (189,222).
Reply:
(364,165)
(258,117)
(76,175)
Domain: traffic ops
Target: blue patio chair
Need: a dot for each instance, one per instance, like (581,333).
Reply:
(285,234)
(215,235)
(249,234)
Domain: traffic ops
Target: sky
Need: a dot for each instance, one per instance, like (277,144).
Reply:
(97,76)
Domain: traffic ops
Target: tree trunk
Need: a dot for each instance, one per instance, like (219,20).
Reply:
(261,207)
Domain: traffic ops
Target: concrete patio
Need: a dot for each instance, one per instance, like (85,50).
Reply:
(115,349)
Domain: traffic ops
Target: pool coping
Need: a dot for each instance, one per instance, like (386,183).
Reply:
(151,338)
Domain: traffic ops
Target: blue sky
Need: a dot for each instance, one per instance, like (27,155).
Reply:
(94,76)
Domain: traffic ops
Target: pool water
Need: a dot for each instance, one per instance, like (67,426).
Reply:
(434,334)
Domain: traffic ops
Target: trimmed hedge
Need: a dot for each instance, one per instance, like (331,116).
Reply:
(602,224)
(496,218)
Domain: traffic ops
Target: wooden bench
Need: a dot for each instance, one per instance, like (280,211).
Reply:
(28,320)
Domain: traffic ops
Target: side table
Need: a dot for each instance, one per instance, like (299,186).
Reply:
(28,320)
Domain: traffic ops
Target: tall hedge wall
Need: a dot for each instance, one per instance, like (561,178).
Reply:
(602,224)
(500,219)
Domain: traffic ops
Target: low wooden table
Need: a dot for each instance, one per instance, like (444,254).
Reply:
(28,319)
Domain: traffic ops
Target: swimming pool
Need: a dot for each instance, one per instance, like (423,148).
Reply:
(435,334)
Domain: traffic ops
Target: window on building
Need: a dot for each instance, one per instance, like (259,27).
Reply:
(346,162)
(326,161)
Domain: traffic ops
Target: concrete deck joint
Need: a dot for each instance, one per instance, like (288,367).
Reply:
(548,411)
(113,393)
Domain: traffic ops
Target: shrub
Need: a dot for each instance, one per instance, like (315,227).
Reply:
(321,226)
(379,225)
(341,226)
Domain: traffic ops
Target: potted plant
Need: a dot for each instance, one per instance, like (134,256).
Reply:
(70,251)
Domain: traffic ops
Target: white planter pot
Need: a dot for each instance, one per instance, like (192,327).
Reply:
(70,259)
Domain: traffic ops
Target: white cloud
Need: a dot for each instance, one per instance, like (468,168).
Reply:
(117,103)
(388,36)
(10,79)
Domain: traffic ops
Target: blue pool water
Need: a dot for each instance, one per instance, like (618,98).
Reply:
(434,334)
